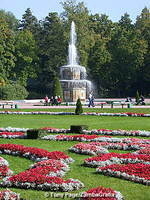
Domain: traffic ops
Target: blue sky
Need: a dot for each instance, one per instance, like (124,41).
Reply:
(40,8)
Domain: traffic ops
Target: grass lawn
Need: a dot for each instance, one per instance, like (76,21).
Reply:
(130,190)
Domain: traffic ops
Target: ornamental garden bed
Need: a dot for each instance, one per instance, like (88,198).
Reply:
(85,174)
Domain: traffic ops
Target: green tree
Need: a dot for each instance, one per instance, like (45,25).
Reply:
(143,26)
(52,51)
(29,21)
(99,60)
(7,48)
(13,91)
(57,89)
(79,109)
(10,19)
(26,58)
(126,22)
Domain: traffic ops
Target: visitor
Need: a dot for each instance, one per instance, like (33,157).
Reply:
(141,100)
(46,100)
(51,101)
(56,100)
(59,100)
(128,99)
(91,100)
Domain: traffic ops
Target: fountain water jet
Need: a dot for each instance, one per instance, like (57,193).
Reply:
(73,76)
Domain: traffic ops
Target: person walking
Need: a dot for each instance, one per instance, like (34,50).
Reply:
(91,100)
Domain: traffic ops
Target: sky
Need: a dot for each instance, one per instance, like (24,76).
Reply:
(40,8)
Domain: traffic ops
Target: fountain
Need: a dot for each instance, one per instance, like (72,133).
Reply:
(73,76)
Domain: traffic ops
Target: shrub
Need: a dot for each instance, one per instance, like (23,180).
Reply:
(32,133)
(57,89)
(13,92)
(78,128)
(35,133)
(79,108)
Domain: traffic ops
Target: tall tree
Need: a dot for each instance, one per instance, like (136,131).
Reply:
(26,58)
(99,61)
(10,19)
(128,51)
(143,26)
(78,13)
(7,59)
(53,50)
(29,21)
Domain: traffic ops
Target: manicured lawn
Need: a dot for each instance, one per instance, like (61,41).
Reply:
(94,122)
(130,190)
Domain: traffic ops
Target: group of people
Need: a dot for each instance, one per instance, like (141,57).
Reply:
(140,101)
(54,100)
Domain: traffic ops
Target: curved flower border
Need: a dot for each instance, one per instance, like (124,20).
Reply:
(9,195)
(127,114)
(44,175)
(138,172)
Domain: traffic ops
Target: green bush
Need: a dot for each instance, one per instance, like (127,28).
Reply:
(57,89)
(35,133)
(32,133)
(13,92)
(79,109)
(78,128)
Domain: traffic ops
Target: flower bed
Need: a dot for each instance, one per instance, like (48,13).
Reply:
(139,173)
(4,169)
(12,135)
(81,137)
(143,151)
(9,195)
(72,113)
(103,160)
(12,129)
(53,163)
(3,162)
(33,180)
(43,175)
(83,148)
(118,132)
(55,167)
(33,153)
(102,132)
(101,193)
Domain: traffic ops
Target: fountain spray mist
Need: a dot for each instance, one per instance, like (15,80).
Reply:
(73,76)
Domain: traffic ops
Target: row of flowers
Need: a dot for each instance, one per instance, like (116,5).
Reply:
(4,169)
(84,148)
(145,151)
(101,193)
(103,160)
(9,195)
(138,172)
(36,180)
(33,153)
(94,148)
(102,132)
(72,113)
(12,135)
(94,138)
(87,132)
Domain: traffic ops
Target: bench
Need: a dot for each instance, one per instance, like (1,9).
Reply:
(8,103)
(128,104)
(101,104)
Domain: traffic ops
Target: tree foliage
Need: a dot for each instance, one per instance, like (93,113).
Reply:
(115,54)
